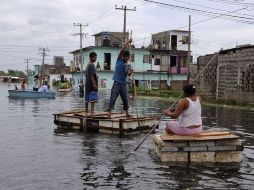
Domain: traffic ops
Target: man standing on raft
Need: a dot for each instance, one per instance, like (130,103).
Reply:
(122,70)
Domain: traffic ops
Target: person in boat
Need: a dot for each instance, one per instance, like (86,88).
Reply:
(91,85)
(36,83)
(122,70)
(44,87)
(188,112)
(23,84)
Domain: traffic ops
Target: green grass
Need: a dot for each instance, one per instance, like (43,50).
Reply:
(165,93)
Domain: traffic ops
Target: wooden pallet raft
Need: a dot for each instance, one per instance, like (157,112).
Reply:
(216,147)
(117,123)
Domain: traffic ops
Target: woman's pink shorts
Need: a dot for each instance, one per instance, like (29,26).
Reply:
(173,127)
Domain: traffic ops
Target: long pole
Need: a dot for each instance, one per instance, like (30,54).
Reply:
(189,49)
(134,88)
(175,102)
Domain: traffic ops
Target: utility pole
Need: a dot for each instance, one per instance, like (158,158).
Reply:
(81,34)
(124,8)
(189,49)
(27,65)
(43,53)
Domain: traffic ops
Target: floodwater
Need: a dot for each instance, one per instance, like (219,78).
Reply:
(33,157)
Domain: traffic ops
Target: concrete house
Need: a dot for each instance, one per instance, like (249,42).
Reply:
(146,74)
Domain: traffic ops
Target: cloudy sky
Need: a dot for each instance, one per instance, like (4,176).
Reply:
(27,25)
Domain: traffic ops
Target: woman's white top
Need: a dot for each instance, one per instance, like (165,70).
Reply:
(192,115)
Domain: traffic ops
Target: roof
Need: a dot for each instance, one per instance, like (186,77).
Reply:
(100,47)
(168,31)
(107,32)
(247,46)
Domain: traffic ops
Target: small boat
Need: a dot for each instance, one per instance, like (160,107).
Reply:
(31,94)
(64,89)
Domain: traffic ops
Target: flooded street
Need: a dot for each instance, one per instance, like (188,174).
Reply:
(33,157)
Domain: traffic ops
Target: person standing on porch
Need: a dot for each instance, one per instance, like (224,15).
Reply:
(122,70)
(91,85)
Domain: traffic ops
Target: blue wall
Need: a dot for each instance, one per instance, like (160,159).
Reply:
(105,77)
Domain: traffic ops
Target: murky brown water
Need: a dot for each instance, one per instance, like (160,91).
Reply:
(33,157)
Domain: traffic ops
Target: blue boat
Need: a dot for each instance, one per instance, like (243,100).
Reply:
(31,94)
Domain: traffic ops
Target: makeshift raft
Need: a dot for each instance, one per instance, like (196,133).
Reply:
(215,147)
(101,122)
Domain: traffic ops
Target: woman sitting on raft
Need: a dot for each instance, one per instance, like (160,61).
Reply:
(189,112)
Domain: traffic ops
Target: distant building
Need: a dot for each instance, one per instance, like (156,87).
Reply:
(169,51)
(58,68)
(171,40)
(58,60)
(110,39)
(230,76)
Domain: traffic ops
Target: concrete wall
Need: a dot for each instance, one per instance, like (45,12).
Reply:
(230,77)
(206,81)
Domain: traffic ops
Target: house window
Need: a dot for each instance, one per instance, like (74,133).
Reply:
(145,58)
(173,42)
(185,39)
(157,61)
(172,61)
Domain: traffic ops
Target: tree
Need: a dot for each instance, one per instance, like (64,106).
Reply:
(16,73)
(2,73)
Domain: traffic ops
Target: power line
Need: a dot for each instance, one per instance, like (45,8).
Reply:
(235,18)
(184,2)
(233,2)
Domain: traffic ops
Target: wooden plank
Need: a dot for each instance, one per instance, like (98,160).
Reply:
(196,138)
(174,157)
(84,114)
(70,111)
(215,133)
(202,157)
(225,142)
(201,149)
(230,156)
(202,143)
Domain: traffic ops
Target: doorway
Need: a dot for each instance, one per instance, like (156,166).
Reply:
(107,61)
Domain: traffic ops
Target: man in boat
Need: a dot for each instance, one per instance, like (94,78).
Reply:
(91,84)
(36,83)
(188,112)
(44,87)
(122,70)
